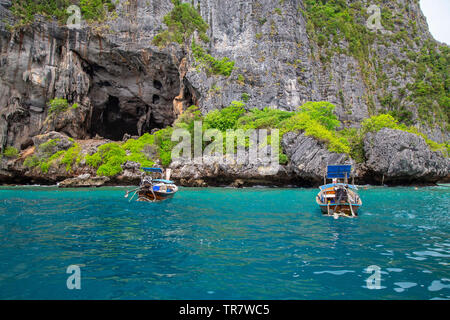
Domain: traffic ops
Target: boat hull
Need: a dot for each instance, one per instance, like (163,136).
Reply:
(148,196)
(340,208)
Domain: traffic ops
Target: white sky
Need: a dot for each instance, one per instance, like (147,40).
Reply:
(438,18)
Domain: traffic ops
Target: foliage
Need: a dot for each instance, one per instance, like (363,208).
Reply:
(335,25)
(47,157)
(10,152)
(110,157)
(226,118)
(26,9)
(379,122)
(181,24)
(303,121)
(163,139)
(212,65)
(113,156)
(56,9)
(45,166)
(334,20)
(57,105)
(315,119)
(57,156)
(71,157)
(355,140)
(142,159)
(245,97)
(94,160)
(48,148)
(323,112)
(263,119)
(96,9)
(283,159)
(31,162)
(138,145)
(241,79)
(431,89)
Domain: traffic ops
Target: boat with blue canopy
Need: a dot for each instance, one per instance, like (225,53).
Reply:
(339,198)
(151,190)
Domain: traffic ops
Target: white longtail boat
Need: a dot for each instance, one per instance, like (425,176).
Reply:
(151,190)
(339,198)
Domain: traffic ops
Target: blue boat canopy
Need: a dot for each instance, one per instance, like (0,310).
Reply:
(163,181)
(339,172)
(156,170)
(338,184)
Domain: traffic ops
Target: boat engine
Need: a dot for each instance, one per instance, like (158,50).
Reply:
(146,182)
(341,194)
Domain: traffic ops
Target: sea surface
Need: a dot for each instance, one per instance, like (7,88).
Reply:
(223,244)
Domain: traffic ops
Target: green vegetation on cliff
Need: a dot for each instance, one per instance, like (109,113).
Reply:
(315,119)
(212,65)
(57,9)
(182,23)
(59,105)
(10,153)
(339,27)
(381,121)
(373,124)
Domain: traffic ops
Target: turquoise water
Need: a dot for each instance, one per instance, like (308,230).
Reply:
(223,244)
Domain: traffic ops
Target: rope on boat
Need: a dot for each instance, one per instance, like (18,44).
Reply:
(133,195)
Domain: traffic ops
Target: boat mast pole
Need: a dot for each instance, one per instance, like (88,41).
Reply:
(351,207)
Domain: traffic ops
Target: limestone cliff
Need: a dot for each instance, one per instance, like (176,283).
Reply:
(122,84)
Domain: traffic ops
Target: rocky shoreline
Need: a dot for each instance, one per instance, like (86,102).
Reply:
(393,157)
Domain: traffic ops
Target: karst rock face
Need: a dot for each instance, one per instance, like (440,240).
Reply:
(119,82)
(400,156)
(122,84)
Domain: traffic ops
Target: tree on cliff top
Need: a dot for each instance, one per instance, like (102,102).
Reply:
(181,24)
(92,10)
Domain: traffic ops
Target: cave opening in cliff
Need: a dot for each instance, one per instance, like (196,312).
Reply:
(140,103)
(110,121)
(130,116)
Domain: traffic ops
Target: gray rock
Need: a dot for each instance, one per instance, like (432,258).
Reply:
(84,181)
(308,158)
(131,165)
(403,157)
(5,3)
(223,170)
(52,142)
(238,183)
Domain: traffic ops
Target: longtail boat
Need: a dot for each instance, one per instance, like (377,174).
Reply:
(339,198)
(151,190)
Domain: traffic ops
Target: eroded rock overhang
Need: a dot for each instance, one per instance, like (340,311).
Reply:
(129,88)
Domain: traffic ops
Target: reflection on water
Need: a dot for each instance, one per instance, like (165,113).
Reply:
(222,244)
